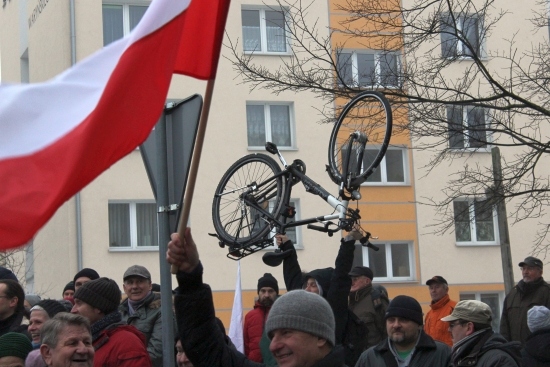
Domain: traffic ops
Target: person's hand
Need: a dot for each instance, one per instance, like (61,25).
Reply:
(280,239)
(183,253)
(355,234)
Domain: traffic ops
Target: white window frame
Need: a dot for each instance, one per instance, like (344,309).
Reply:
(473,235)
(126,11)
(377,54)
(477,296)
(389,265)
(263,31)
(465,134)
(299,245)
(383,169)
(133,227)
(460,45)
(267,119)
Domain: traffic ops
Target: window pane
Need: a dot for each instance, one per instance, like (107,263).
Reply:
(389,72)
(136,13)
(255,121)
(251,30)
(112,23)
(477,133)
(119,225)
(368,158)
(377,261)
(275,31)
(448,38)
(456,128)
(493,302)
(471,35)
(366,70)
(394,165)
(462,221)
(280,125)
(485,230)
(467,296)
(400,260)
(343,64)
(146,216)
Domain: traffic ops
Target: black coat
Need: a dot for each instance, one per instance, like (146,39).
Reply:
(536,352)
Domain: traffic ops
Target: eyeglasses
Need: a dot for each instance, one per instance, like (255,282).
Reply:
(458,322)
(6,297)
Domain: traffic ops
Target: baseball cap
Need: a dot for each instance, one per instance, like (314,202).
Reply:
(531,261)
(361,270)
(137,271)
(471,310)
(437,279)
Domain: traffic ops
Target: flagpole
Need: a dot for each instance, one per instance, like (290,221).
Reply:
(194,168)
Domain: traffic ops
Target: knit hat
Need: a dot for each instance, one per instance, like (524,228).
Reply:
(302,311)
(51,306)
(406,307)
(102,293)
(15,345)
(471,310)
(268,280)
(6,273)
(69,286)
(88,273)
(538,317)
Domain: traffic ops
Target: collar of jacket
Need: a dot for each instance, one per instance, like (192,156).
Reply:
(335,358)
(425,342)
(442,302)
(360,293)
(528,288)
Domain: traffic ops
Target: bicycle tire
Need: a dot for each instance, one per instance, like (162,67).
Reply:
(235,222)
(375,120)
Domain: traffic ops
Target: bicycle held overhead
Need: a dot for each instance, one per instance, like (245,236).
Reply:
(251,202)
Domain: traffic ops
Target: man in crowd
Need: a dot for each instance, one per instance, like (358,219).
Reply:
(531,291)
(368,303)
(142,309)
(12,307)
(300,324)
(441,306)
(474,342)
(67,341)
(407,344)
(14,348)
(83,276)
(254,321)
(115,343)
(68,291)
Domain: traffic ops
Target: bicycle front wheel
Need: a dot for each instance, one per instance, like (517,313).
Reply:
(369,113)
(247,195)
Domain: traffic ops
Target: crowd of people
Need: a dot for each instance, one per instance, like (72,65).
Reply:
(331,317)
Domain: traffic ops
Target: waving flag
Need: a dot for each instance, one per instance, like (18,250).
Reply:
(236,325)
(57,136)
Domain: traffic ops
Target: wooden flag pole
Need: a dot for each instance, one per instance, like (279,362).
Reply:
(195,160)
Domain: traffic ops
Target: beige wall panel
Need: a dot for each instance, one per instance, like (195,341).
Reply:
(9,43)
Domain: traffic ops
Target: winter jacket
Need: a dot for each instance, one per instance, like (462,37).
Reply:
(253,329)
(513,323)
(17,323)
(148,320)
(484,348)
(536,351)
(370,305)
(433,326)
(427,353)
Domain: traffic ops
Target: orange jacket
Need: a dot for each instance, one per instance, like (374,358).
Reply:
(433,326)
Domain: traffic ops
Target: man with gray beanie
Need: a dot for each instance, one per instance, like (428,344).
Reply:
(300,325)
(407,345)
(115,343)
(536,352)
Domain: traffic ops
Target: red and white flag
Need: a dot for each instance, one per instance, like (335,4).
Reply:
(57,136)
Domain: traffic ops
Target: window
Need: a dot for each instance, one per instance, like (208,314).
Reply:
(294,233)
(494,300)
(119,20)
(467,127)
(475,222)
(392,169)
(133,225)
(269,122)
(369,69)
(392,262)
(264,31)
(460,36)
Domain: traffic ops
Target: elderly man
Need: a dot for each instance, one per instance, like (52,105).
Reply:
(474,342)
(67,341)
(407,344)
(12,307)
(142,309)
(531,291)
(441,306)
(300,324)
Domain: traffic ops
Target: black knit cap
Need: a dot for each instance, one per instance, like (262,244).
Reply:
(405,307)
(268,280)
(88,273)
(69,286)
(15,345)
(102,293)
(51,306)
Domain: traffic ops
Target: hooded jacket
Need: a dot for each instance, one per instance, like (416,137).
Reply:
(433,326)
(536,352)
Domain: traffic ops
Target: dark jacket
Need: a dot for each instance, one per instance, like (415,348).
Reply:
(486,349)
(513,323)
(15,323)
(427,353)
(369,304)
(253,329)
(536,352)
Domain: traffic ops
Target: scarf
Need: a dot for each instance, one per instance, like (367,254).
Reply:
(134,305)
(99,326)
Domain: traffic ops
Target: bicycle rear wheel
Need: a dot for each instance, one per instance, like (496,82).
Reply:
(252,177)
(369,113)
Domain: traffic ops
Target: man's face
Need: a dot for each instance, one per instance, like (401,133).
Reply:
(37,320)
(181,358)
(311,286)
(460,329)
(83,309)
(68,293)
(11,361)
(7,305)
(266,296)
(531,273)
(359,282)
(74,348)
(438,291)
(293,348)
(79,282)
(136,288)
(402,331)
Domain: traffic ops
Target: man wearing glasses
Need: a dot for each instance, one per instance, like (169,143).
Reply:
(474,341)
